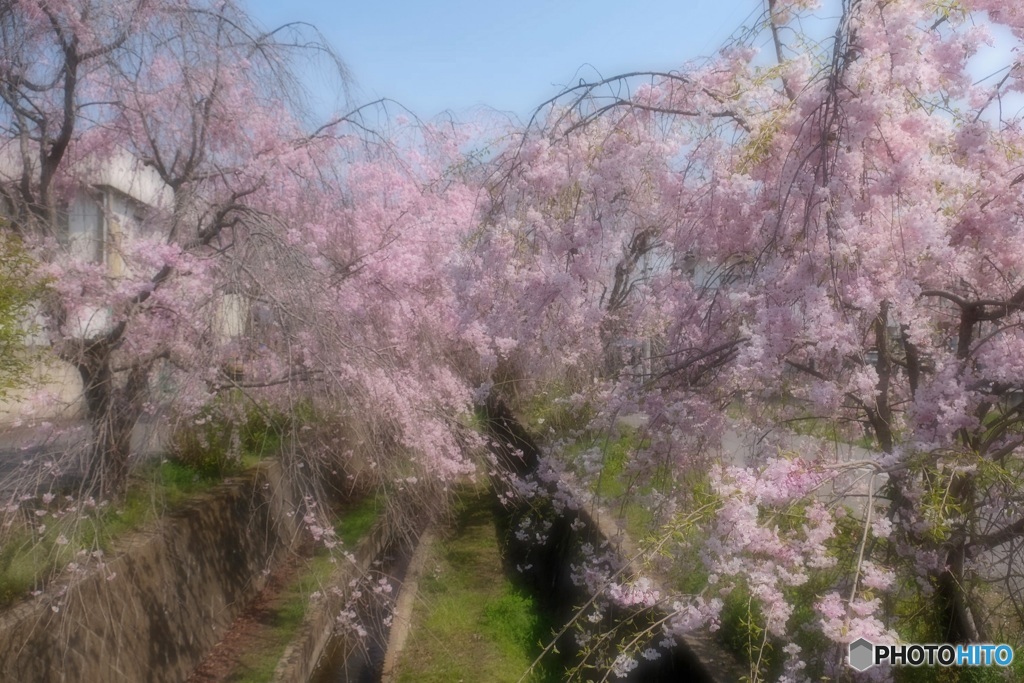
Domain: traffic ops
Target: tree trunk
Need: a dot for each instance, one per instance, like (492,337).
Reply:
(957,618)
(113,411)
(959,622)
(880,414)
(107,470)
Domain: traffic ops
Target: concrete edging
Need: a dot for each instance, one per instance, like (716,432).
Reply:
(719,664)
(301,656)
(402,623)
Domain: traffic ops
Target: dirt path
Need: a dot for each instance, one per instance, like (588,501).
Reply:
(252,631)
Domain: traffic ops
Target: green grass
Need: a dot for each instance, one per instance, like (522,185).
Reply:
(34,554)
(553,410)
(56,533)
(614,485)
(356,521)
(472,623)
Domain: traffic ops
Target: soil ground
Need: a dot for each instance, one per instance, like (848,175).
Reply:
(252,631)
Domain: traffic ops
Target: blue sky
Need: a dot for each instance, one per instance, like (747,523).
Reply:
(454,55)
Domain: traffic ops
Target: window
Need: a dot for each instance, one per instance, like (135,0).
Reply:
(85,227)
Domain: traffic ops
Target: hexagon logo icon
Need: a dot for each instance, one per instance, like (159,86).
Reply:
(862,654)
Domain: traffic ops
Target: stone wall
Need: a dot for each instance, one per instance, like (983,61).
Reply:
(166,597)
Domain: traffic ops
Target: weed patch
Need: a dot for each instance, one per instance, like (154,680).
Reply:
(474,623)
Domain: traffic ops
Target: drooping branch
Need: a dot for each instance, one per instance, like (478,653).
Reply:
(716,356)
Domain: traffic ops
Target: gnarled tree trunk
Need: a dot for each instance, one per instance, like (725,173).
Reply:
(114,402)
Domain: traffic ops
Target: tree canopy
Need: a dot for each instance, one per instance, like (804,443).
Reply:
(825,233)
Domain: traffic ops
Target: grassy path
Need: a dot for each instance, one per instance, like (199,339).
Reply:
(470,622)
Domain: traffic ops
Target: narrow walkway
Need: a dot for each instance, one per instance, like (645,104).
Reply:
(469,622)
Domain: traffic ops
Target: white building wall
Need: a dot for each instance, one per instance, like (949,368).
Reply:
(52,392)
(115,193)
